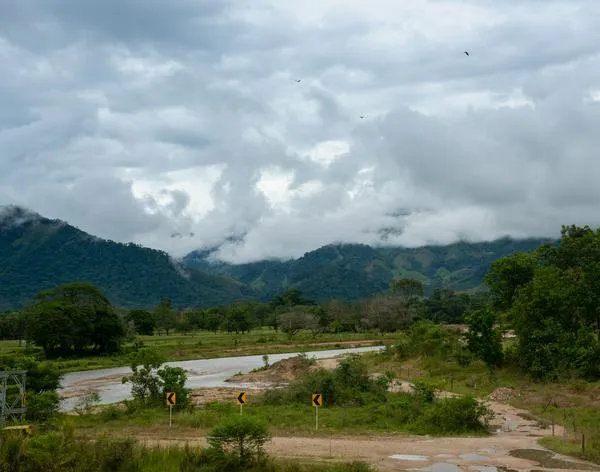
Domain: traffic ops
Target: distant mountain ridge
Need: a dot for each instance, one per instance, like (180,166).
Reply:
(354,271)
(38,253)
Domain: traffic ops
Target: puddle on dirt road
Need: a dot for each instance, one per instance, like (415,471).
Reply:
(473,457)
(547,460)
(489,450)
(409,457)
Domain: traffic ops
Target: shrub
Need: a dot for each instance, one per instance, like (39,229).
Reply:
(425,390)
(245,437)
(150,383)
(454,416)
(349,384)
(428,339)
(173,380)
(42,406)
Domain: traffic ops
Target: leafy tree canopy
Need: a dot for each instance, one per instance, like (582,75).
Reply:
(71,318)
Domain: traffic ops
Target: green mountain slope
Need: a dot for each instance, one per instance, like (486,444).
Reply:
(37,253)
(354,271)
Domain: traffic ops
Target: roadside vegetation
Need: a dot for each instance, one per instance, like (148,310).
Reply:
(354,402)
(235,446)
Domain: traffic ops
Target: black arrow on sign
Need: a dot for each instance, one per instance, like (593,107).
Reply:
(170,398)
(317,400)
(240,398)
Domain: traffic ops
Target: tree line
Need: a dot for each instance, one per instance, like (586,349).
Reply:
(77,319)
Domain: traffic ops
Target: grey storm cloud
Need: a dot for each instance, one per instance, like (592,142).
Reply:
(137,120)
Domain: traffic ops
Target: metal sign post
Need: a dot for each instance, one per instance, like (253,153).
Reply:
(171,400)
(317,401)
(240,397)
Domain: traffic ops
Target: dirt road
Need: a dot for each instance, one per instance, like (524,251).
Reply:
(513,447)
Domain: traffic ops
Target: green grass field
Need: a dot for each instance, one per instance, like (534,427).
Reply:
(205,345)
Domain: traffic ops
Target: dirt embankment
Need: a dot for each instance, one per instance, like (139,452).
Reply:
(285,371)
(279,373)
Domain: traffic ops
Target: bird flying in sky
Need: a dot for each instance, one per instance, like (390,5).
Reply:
(467,53)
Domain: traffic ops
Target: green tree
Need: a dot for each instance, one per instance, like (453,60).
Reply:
(446,306)
(408,289)
(212,320)
(554,335)
(553,299)
(165,316)
(290,298)
(150,380)
(428,339)
(146,384)
(71,317)
(238,319)
(173,379)
(483,339)
(12,326)
(144,321)
(507,275)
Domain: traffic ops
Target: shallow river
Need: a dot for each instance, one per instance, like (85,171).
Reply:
(202,373)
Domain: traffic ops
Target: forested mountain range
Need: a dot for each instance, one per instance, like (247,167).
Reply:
(37,253)
(354,271)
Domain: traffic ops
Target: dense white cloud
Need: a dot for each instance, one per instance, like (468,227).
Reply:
(181,124)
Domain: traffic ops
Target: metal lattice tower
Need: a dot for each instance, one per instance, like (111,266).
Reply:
(12,394)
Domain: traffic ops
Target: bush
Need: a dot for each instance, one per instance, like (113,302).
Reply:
(42,406)
(425,390)
(428,339)
(244,437)
(150,383)
(454,416)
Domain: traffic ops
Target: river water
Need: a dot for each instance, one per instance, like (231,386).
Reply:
(202,373)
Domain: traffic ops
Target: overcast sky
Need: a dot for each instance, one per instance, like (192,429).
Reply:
(178,124)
